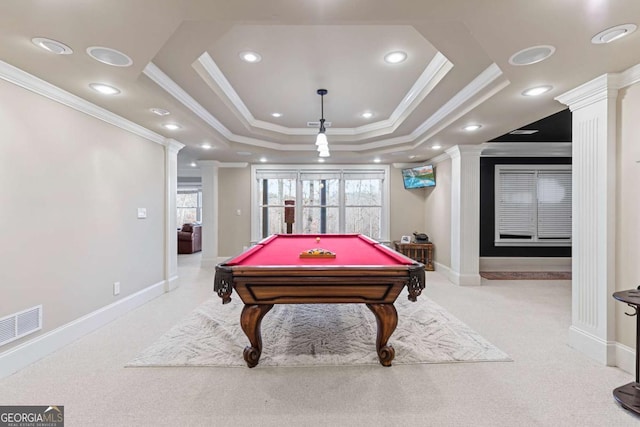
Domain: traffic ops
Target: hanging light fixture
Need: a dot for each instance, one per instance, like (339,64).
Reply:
(321,139)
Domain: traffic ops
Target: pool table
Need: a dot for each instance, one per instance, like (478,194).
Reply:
(362,271)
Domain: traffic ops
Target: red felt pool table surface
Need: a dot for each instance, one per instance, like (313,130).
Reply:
(350,250)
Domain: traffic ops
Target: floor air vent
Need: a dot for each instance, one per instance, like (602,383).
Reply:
(18,325)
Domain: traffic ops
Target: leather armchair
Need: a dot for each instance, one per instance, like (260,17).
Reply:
(190,239)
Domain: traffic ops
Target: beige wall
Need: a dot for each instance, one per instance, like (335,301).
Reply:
(407,207)
(628,208)
(234,194)
(438,213)
(70,186)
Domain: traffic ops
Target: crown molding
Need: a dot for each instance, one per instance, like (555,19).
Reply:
(630,76)
(435,71)
(526,149)
(603,87)
(481,88)
(36,85)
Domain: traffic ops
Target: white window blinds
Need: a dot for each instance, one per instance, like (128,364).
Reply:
(517,202)
(554,205)
(533,205)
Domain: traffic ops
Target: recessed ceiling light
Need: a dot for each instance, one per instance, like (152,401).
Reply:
(395,57)
(193,164)
(104,89)
(320,160)
(109,56)
(535,91)
(531,55)
(367,115)
(276,115)
(52,46)
(251,57)
(171,126)
(523,132)
(206,146)
(412,156)
(159,111)
(436,146)
(244,153)
(613,33)
(377,160)
(471,128)
(263,159)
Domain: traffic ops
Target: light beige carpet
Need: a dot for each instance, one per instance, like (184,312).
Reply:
(318,334)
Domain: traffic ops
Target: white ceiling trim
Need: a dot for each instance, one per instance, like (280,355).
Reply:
(34,84)
(445,115)
(526,149)
(435,71)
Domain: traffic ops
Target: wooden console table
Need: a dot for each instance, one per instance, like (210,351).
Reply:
(628,395)
(421,252)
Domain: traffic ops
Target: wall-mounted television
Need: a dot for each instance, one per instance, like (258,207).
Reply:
(418,177)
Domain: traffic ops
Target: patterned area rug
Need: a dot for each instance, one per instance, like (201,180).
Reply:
(526,275)
(318,334)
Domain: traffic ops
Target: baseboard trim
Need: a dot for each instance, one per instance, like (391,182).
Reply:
(444,270)
(172,284)
(626,358)
(17,358)
(592,346)
(525,264)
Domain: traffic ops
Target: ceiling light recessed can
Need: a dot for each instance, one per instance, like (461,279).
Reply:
(436,146)
(320,160)
(395,57)
(538,90)
(104,89)
(251,57)
(367,115)
(206,146)
(471,128)
(263,159)
(377,160)
(159,111)
(193,164)
(109,56)
(532,55)
(276,115)
(614,33)
(52,46)
(171,126)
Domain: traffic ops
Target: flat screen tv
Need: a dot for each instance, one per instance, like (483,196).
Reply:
(418,177)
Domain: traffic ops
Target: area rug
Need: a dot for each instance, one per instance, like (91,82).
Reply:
(526,275)
(318,334)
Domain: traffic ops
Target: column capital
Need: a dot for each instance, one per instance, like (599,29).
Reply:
(464,150)
(604,87)
(173,146)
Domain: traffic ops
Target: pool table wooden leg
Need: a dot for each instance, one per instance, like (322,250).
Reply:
(387,320)
(250,320)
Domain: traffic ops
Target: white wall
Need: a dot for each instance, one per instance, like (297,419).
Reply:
(70,186)
(407,207)
(628,208)
(234,231)
(438,213)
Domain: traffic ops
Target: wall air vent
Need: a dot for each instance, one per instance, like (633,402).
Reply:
(524,132)
(317,124)
(20,324)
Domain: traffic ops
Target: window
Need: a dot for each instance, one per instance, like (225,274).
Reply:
(533,205)
(350,200)
(189,206)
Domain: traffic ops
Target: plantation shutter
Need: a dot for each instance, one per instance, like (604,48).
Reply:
(554,204)
(517,203)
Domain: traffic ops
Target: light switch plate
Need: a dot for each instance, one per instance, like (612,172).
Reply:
(142,212)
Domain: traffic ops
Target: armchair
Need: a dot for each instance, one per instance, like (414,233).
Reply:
(190,239)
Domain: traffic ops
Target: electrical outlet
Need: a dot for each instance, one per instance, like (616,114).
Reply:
(116,288)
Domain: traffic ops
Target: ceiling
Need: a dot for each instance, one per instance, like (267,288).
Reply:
(186,60)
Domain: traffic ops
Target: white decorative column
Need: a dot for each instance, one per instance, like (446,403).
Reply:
(209,171)
(171,148)
(465,214)
(593,104)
